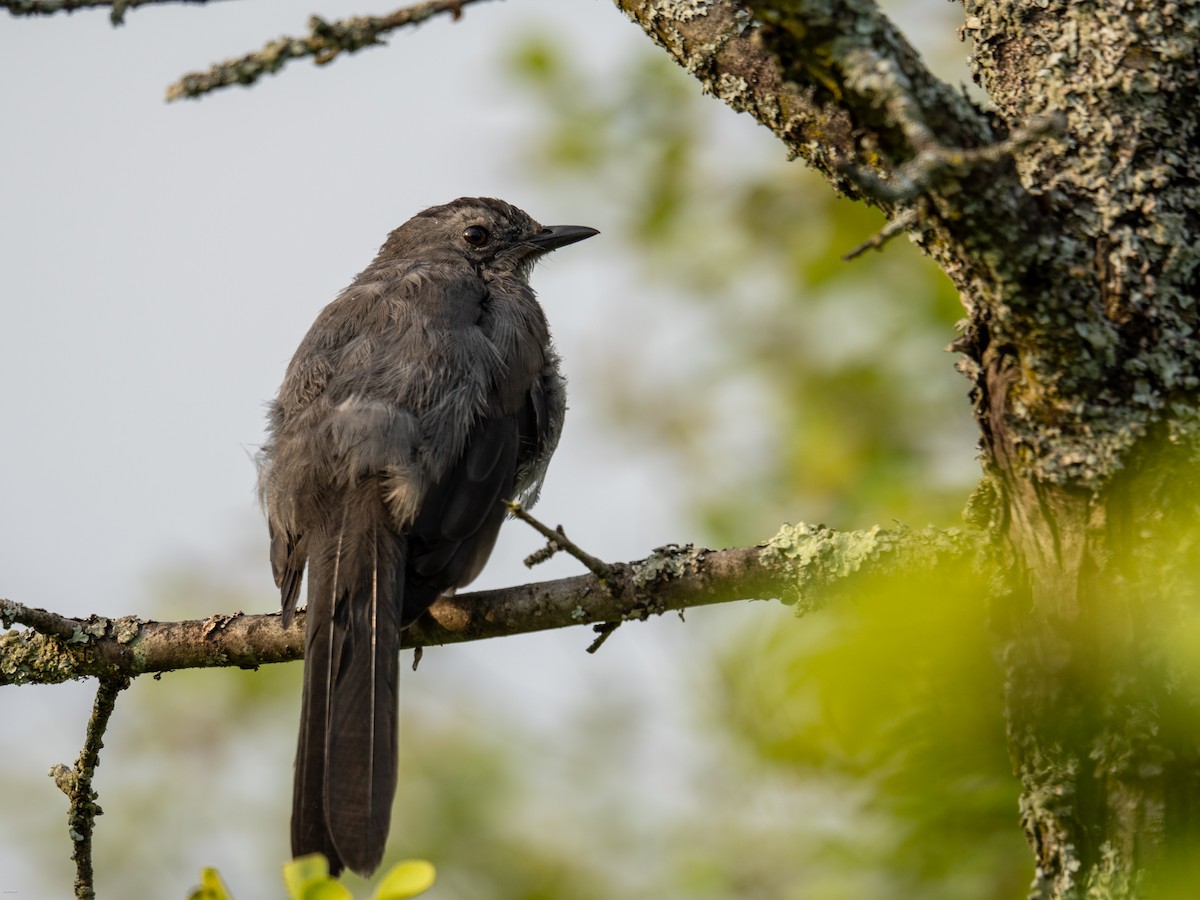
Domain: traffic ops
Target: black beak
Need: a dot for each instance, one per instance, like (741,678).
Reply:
(560,235)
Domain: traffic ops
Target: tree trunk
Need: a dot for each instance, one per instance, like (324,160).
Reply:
(1067,215)
(1102,715)
(1087,392)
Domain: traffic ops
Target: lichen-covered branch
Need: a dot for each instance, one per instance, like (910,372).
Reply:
(834,80)
(797,565)
(324,42)
(76,783)
(117,8)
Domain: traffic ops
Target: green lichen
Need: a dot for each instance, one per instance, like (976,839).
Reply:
(813,557)
(1100,310)
(683,10)
(664,564)
(94,627)
(126,628)
(27,657)
(734,90)
(1111,878)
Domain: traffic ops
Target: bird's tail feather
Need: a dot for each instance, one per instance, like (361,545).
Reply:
(347,752)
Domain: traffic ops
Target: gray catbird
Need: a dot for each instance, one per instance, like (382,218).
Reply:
(424,396)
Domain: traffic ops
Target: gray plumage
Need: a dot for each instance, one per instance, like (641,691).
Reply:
(422,397)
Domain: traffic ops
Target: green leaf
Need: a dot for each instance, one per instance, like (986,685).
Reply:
(304,869)
(406,879)
(211,887)
(307,878)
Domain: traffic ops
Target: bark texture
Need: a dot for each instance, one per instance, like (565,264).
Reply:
(1067,216)
(1087,384)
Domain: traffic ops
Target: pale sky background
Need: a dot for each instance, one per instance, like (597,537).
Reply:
(158,266)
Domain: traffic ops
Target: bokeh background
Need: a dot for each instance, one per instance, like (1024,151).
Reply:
(159,264)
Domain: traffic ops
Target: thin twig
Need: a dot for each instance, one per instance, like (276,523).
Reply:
(600,569)
(545,554)
(43,621)
(885,234)
(604,629)
(935,162)
(77,784)
(324,42)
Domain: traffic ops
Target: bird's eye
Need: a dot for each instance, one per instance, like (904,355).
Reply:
(475,235)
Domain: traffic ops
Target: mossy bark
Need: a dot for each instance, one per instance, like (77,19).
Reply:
(1087,391)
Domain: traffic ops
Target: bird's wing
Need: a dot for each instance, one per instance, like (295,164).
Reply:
(457,524)
(460,516)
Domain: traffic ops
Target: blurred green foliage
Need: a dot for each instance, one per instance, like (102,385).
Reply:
(307,878)
(211,887)
(830,373)
(893,690)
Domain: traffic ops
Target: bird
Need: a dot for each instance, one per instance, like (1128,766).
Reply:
(425,396)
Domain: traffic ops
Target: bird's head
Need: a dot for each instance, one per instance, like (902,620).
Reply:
(489,233)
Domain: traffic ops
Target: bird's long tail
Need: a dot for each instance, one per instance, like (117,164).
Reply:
(346,755)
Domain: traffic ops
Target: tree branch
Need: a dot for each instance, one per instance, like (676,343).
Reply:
(324,42)
(834,80)
(896,226)
(51,7)
(798,564)
(77,784)
(558,540)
